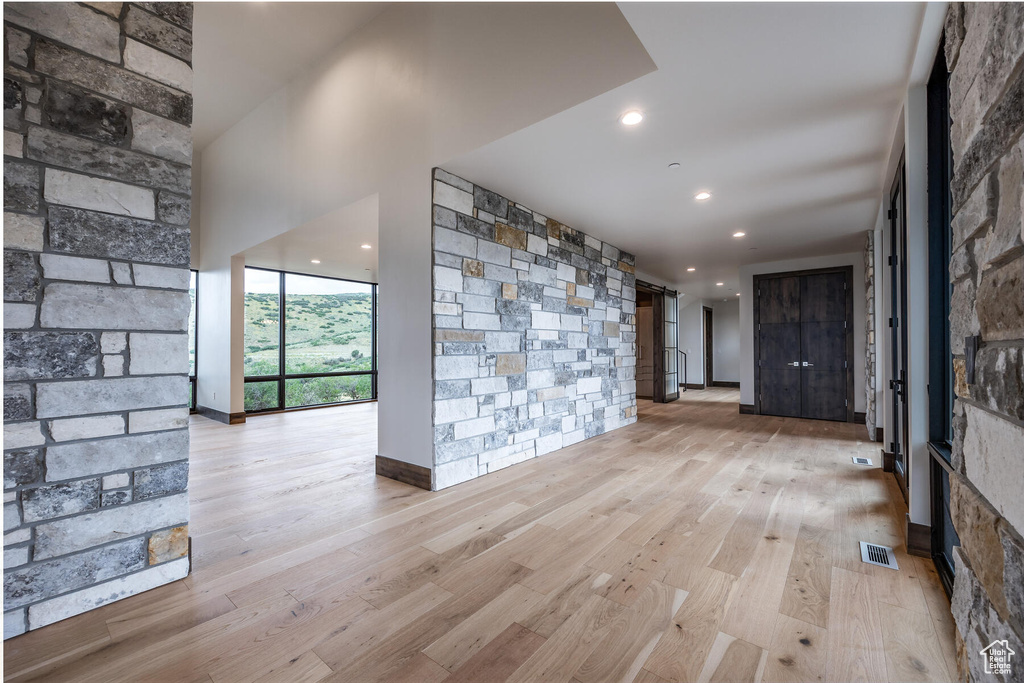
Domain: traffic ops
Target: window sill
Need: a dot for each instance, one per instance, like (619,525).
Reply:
(942,453)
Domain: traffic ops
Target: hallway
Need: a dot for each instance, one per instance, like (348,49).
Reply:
(696,545)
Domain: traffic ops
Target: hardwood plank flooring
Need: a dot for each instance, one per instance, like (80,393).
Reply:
(696,545)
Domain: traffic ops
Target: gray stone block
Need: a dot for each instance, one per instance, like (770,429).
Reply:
(161,137)
(49,355)
(172,208)
(492,203)
(18,402)
(445,389)
(444,217)
(59,500)
(93,74)
(31,584)
(159,33)
(59,267)
(22,467)
(115,498)
(21,276)
(72,306)
(159,481)
(71,24)
(69,535)
(61,399)
(22,183)
(70,110)
(179,13)
(87,233)
(114,455)
(474,227)
(53,147)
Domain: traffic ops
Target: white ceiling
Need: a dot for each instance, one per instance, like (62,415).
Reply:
(785,112)
(335,240)
(244,51)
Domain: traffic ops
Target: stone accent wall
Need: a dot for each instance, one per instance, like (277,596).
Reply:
(97,154)
(534,331)
(869,333)
(985,54)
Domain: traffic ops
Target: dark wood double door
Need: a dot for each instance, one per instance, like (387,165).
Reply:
(803,350)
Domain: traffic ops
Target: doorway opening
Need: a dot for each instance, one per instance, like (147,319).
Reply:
(663,339)
(644,345)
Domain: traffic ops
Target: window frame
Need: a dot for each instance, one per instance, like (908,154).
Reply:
(282,375)
(941,393)
(192,377)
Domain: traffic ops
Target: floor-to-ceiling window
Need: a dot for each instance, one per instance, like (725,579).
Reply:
(192,343)
(940,373)
(309,340)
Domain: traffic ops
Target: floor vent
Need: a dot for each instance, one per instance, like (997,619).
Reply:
(878,554)
(857,460)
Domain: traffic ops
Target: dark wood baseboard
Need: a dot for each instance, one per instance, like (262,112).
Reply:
(860,418)
(879,435)
(747,409)
(221,416)
(405,472)
(693,386)
(919,539)
(888,461)
(725,385)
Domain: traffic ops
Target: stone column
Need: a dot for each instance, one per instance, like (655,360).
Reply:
(985,54)
(97,156)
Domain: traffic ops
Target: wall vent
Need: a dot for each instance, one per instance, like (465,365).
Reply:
(878,554)
(858,460)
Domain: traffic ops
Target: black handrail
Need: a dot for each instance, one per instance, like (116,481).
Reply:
(684,367)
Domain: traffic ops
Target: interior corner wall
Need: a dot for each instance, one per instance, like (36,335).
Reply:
(985,53)
(534,333)
(854,259)
(97,156)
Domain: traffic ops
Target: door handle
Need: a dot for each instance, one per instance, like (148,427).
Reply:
(808,365)
(795,364)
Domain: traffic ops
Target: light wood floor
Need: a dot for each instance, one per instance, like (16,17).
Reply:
(696,545)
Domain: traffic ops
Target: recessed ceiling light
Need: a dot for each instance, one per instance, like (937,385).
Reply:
(737,293)
(367,246)
(690,270)
(719,284)
(315,261)
(739,234)
(674,164)
(703,195)
(631,118)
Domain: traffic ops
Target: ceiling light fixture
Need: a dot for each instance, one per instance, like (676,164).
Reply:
(737,293)
(366,246)
(703,195)
(719,284)
(690,270)
(631,118)
(315,261)
(674,164)
(739,234)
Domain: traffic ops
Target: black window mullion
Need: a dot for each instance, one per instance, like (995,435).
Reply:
(373,341)
(280,343)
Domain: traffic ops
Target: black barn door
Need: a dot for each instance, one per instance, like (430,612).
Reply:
(804,344)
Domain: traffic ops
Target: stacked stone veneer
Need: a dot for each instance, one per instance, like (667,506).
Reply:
(985,53)
(534,331)
(97,154)
(869,336)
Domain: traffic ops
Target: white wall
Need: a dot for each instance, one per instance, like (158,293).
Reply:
(418,85)
(855,259)
(726,339)
(691,338)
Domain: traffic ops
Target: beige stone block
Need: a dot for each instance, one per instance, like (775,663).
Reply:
(611,329)
(510,364)
(576,301)
(509,291)
(1000,302)
(977,525)
(509,236)
(550,393)
(554,229)
(168,545)
(458,336)
(472,268)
